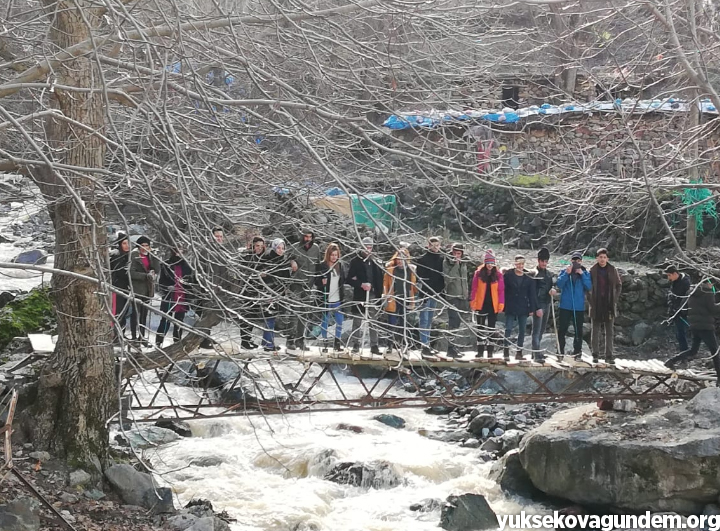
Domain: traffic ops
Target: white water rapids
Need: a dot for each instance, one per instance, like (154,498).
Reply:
(271,475)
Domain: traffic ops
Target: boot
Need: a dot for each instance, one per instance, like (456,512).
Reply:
(672,362)
(337,346)
(519,355)
(246,344)
(506,353)
(159,341)
(480,350)
(610,359)
(300,344)
(426,352)
(355,349)
(374,350)
(325,346)
(596,358)
(490,350)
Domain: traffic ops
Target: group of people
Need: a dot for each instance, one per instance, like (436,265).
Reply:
(306,284)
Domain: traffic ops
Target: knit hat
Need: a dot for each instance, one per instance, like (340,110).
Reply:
(576,256)
(489,257)
(367,241)
(121,237)
(544,254)
(142,240)
(276,243)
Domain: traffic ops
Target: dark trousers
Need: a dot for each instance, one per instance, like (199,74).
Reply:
(121,309)
(164,326)
(138,319)
(577,318)
(396,322)
(456,306)
(701,336)
(486,331)
(681,332)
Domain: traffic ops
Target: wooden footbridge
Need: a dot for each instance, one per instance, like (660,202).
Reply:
(253,383)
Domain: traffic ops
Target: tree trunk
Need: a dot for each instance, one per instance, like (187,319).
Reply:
(77,384)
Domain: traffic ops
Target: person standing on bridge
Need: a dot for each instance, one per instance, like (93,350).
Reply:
(487,300)
(574,282)
(306,254)
(330,279)
(276,272)
(176,279)
(545,291)
(702,311)
(456,292)
(399,289)
(144,267)
(677,304)
(432,284)
(604,299)
(520,302)
(365,276)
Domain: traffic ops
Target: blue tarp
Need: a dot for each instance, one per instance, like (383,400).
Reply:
(435,118)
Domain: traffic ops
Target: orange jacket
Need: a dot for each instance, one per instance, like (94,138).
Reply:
(389,286)
(497,292)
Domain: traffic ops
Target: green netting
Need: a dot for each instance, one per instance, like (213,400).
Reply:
(372,210)
(694,196)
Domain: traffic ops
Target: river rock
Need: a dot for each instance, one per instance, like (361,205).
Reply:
(34,257)
(637,462)
(510,475)
(137,488)
(6,297)
(640,331)
(144,436)
(21,514)
(79,478)
(427,505)
(376,475)
(180,522)
(209,523)
(511,440)
(492,445)
(467,512)
(391,420)
(439,410)
(178,426)
(471,443)
(207,460)
(483,420)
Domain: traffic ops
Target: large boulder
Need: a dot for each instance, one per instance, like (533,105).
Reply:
(376,475)
(138,488)
(510,475)
(467,512)
(665,460)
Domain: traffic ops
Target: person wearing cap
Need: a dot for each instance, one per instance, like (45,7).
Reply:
(677,304)
(306,255)
(604,299)
(520,302)
(365,275)
(545,291)
(487,300)
(574,282)
(432,284)
(119,258)
(144,267)
(456,291)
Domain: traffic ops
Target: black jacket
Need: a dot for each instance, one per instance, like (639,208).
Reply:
(678,295)
(543,284)
(520,294)
(166,281)
(322,271)
(430,272)
(702,308)
(119,269)
(361,271)
(277,272)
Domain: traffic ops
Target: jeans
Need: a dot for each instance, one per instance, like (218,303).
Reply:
(510,321)
(539,325)
(427,312)
(577,318)
(609,338)
(268,337)
(332,307)
(681,332)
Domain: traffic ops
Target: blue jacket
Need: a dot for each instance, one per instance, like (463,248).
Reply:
(572,296)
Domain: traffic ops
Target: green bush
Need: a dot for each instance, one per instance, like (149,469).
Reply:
(32,312)
(532,181)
